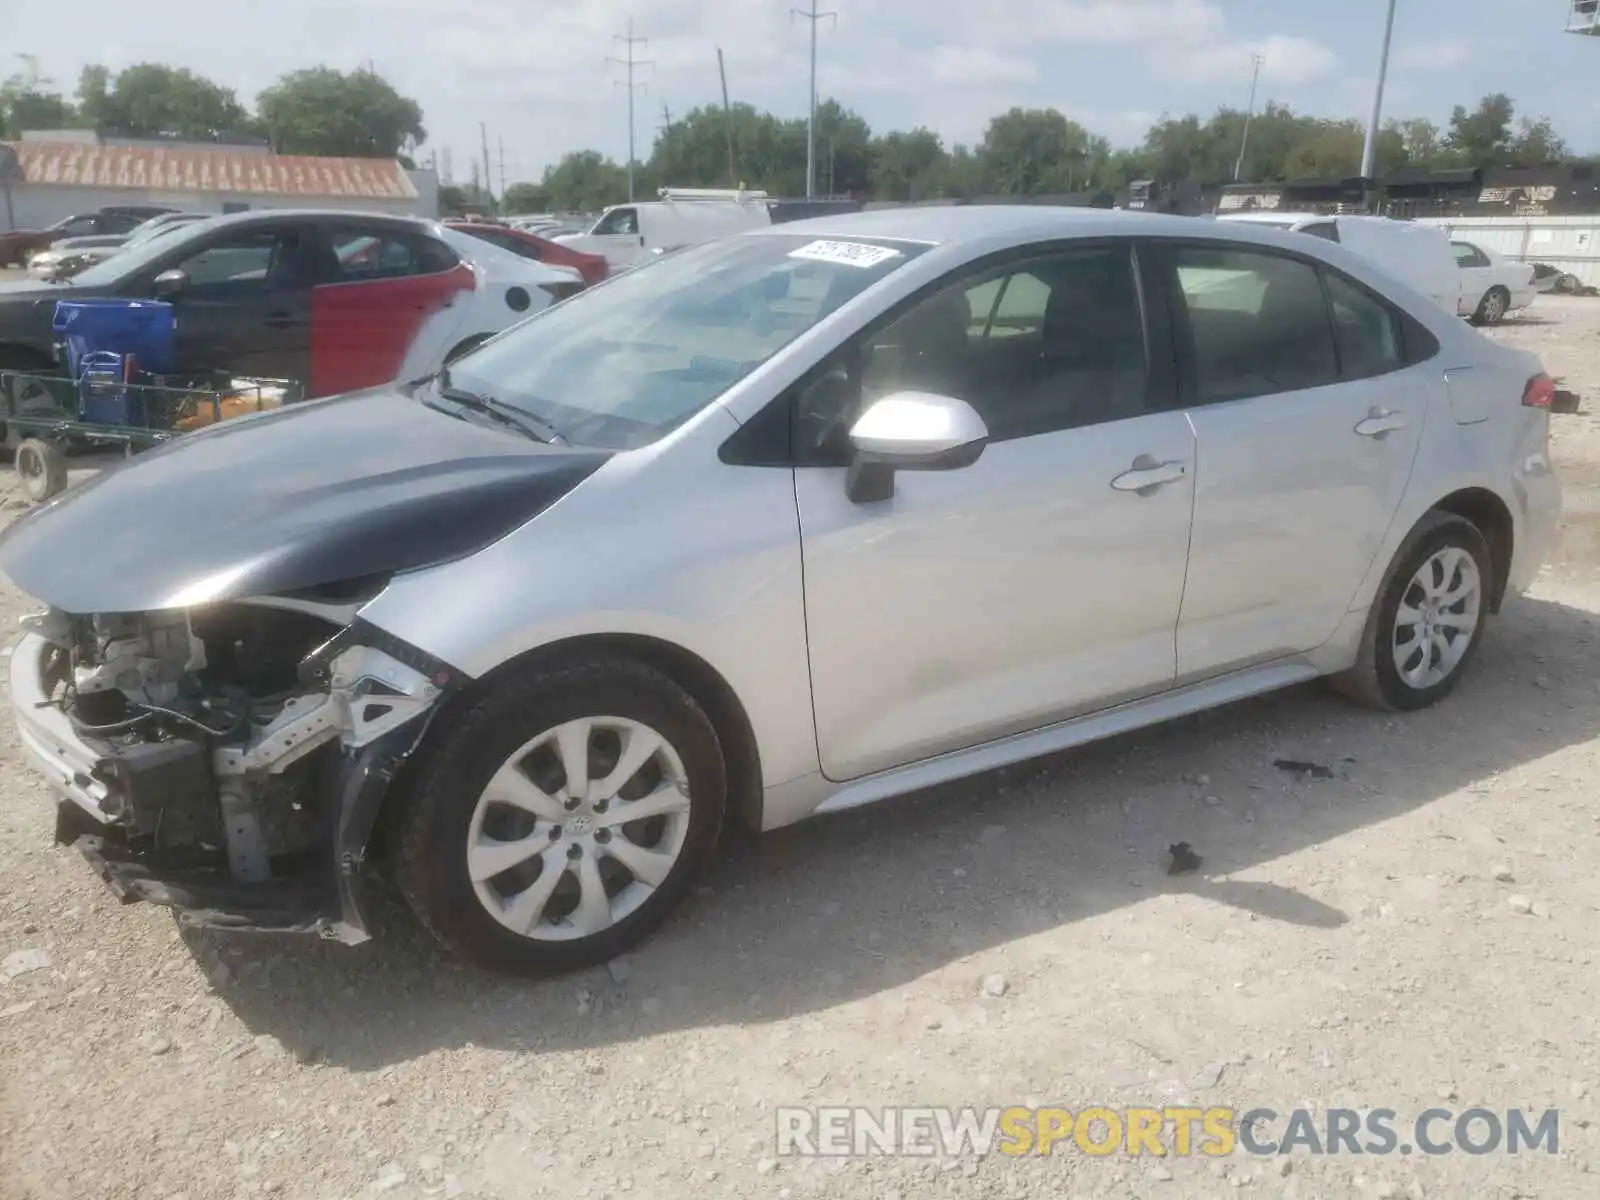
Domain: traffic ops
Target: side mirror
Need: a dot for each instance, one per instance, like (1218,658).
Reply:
(170,283)
(910,431)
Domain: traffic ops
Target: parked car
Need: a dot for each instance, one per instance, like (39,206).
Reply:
(19,245)
(1416,254)
(626,235)
(779,525)
(286,295)
(47,264)
(1491,286)
(592,267)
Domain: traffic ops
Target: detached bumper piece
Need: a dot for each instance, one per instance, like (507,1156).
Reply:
(204,899)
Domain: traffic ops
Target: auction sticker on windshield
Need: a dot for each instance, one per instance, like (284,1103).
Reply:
(847,254)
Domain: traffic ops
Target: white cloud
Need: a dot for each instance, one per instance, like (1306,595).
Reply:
(1288,61)
(1442,55)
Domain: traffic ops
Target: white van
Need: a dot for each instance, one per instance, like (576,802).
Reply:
(628,234)
(1419,255)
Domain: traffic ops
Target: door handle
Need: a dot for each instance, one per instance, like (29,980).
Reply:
(1380,422)
(1147,474)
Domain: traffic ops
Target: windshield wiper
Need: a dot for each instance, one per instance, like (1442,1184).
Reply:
(506,414)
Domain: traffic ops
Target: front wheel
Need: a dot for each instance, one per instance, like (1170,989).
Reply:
(1428,620)
(1493,307)
(558,819)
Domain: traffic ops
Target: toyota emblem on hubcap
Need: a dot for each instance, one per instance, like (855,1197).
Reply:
(580,823)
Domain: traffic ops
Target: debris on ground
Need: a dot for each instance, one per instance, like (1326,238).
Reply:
(1182,859)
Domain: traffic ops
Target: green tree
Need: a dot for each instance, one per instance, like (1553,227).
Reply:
(154,100)
(1420,141)
(452,200)
(907,166)
(28,100)
(322,111)
(585,180)
(1536,143)
(1482,137)
(1027,151)
(525,198)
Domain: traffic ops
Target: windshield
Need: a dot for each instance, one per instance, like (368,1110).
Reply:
(625,363)
(135,257)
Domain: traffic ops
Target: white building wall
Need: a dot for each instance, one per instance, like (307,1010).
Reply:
(34,206)
(1570,244)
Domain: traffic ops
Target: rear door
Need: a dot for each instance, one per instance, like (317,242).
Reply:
(246,308)
(391,286)
(1477,276)
(1307,408)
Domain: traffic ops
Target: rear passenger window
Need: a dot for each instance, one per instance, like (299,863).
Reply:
(1258,321)
(1367,330)
(367,254)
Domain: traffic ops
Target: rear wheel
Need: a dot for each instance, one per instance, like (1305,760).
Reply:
(42,467)
(1493,307)
(558,820)
(1428,620)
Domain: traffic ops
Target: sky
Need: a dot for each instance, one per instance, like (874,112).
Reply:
(535,72)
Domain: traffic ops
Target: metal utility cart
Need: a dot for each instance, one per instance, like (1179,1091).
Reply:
(118,392)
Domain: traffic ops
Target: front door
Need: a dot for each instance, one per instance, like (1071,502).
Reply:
(1308,419)
(246,309)
(1040,582)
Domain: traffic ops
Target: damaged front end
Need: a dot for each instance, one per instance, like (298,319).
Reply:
(228,761)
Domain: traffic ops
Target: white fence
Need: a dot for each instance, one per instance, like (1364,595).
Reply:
(1570,244)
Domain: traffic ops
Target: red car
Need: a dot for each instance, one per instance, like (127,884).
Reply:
(591,267)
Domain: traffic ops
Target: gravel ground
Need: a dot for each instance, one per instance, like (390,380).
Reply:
(1347,943)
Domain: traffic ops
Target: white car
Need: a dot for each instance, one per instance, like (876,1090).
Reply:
(48,264)
(1491,285)
(779,525)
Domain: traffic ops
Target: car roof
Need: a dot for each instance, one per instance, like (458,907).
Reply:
(941,225)
(261,215)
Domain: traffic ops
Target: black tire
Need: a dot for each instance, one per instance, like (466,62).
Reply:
(1375,681)
(1493,313)
(468,746)
(42,467)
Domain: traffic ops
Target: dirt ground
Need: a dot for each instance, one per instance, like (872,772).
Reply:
(1346,943)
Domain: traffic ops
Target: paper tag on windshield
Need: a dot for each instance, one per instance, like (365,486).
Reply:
(845,254)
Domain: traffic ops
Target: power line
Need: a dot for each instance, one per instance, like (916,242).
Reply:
(630,63)
(813,16)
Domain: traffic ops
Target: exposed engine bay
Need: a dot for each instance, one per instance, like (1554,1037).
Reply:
(240,752)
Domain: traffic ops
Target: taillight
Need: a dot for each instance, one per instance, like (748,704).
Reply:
(1540,392)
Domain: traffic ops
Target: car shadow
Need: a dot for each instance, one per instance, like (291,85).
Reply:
(846,907)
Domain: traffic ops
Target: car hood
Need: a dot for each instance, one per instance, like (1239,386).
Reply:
(311,494)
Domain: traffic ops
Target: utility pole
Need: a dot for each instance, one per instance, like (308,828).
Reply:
(1249,115)
(813,16)
(1369,151)
(502,149)
(630,62)
(488,179)
(666,120)
(727,121)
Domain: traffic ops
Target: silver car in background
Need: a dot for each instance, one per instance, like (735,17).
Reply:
(775,526)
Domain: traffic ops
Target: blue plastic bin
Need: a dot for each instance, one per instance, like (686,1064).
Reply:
(142,328)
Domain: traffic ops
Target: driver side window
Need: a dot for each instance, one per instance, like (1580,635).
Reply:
(622,220)
(259,262)
(1038,346)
